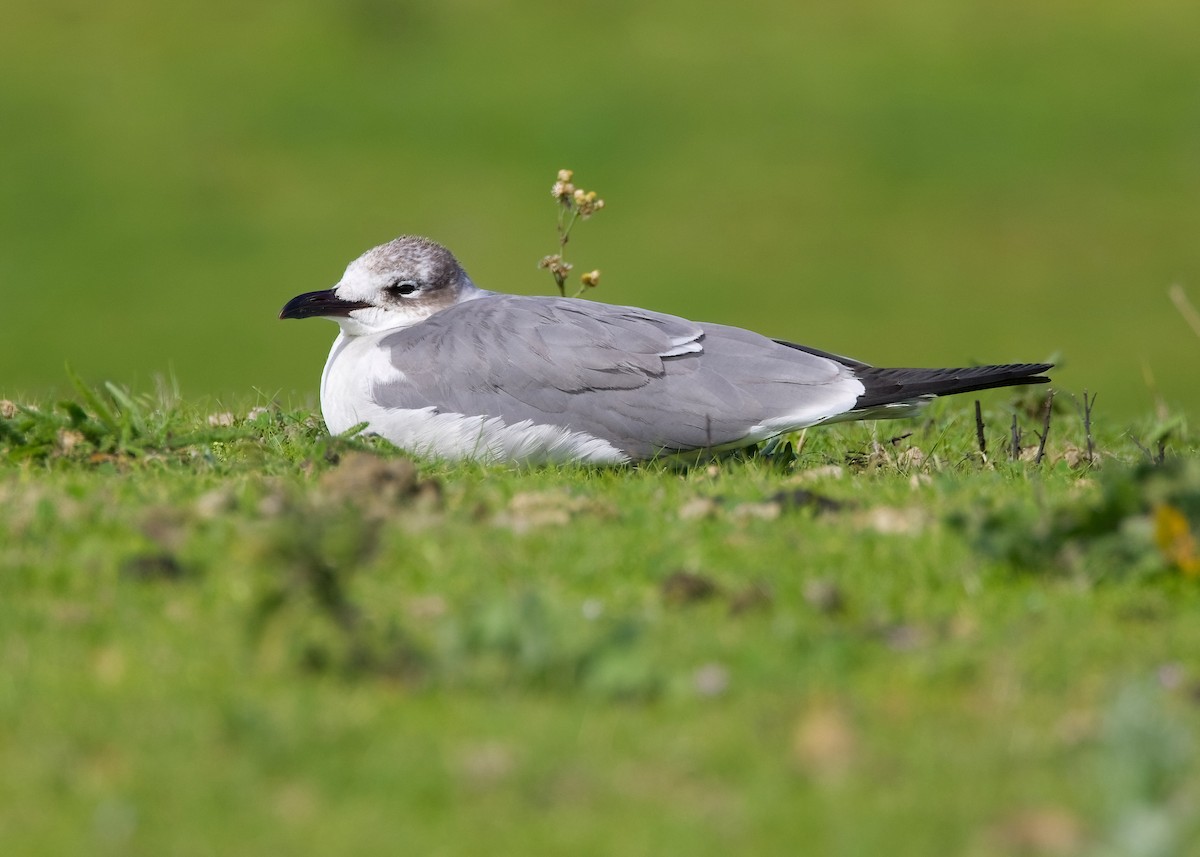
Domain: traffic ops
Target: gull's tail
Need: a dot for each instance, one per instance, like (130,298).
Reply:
(891,387)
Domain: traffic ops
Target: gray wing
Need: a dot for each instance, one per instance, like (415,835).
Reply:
(645,382)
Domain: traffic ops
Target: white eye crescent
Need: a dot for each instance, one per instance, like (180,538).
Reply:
(401,288)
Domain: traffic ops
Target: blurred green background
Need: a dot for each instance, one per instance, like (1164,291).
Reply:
(920,183)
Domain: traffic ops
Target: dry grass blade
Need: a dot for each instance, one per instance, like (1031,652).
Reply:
(1190,314)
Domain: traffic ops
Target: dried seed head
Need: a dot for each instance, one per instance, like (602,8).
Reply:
(563,192)
(587,203)
(590,280)
(565,175)
(68,439)
(558,266)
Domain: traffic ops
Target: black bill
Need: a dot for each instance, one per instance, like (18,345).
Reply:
(323,303)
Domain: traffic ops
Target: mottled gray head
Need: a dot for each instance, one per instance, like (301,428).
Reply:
(391,286)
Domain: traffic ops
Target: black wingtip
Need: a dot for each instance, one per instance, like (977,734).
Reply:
(889,386)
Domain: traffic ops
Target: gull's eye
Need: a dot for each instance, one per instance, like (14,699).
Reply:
(400,288)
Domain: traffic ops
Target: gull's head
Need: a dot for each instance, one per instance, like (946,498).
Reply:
(392,286)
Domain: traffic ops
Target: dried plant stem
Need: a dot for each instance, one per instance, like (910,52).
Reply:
(1014,444)
(979,437)
(1045,432)
(1153,457)
(1087,424)
(566,220)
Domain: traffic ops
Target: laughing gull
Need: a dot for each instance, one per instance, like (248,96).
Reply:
(442,368)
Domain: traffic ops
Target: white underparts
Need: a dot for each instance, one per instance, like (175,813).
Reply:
(428,432)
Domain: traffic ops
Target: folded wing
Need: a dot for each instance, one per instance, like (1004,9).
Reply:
(646,382)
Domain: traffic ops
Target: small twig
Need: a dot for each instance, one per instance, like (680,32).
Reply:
(1153,458)
(979,430)
(1087,424)
(1189,312)
(895,441)
(1014,449)
(1045,432)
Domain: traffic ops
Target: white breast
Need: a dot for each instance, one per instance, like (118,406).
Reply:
(354,363)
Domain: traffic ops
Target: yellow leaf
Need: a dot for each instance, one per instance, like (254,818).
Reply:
(1174,538)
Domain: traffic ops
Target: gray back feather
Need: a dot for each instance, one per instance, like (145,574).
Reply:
(558,361)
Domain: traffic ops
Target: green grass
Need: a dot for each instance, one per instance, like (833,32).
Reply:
(253,638)
(208,645)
